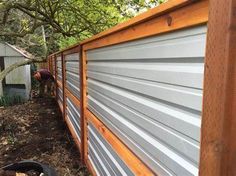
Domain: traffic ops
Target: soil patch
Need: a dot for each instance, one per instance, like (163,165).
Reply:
(35,130)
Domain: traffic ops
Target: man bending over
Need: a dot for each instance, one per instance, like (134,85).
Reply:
(46,81)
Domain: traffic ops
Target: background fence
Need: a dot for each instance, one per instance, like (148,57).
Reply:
(132,96)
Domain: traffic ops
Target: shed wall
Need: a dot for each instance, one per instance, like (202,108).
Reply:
(19,75)
(149,93)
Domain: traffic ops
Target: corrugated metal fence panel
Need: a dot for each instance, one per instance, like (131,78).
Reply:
(72,74)
(59,68)
(104,159)
(149,93)
(60,95)
(73,112)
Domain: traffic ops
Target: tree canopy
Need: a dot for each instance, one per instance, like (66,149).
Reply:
(44,26)
(65,21)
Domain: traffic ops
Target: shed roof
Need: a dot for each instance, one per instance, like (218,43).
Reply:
(8,50)
(20,51)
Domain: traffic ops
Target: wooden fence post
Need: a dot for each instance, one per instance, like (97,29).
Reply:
(63,84)
(84,137)
(218,144)
(48,63)
(56,86)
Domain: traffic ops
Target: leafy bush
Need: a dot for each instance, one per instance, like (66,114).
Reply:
(9,100)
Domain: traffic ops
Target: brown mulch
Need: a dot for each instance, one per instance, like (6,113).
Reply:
(35,131)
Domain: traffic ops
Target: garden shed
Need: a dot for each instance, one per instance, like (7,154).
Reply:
(17,82)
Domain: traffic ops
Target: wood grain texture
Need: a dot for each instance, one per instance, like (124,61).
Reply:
(132,161)
(71,50)
(218,144)
(59,84)
(73,98)
(63,64)
(191,15)
(49,64)
(60,106)
(84,123)
(55,78)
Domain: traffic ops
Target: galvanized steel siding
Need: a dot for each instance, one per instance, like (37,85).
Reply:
(60,95)
(59,68)
(149,93)
(73,112)
(72,74)
(104,159)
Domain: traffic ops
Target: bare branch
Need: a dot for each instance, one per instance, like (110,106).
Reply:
(23,33)
(7,70)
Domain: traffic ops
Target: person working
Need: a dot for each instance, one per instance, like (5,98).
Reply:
(46,81)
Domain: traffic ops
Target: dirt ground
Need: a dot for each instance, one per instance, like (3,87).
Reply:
(35,130)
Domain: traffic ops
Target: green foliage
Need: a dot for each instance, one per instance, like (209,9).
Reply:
(67,41)
(65,21)
(9,100)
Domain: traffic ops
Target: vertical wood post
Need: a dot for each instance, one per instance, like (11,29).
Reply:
(49,63)
(84,136)
(218,135)
(55,61)
(63,66)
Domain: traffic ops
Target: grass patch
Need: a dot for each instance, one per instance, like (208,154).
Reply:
(10,100)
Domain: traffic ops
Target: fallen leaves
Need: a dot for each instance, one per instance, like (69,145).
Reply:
(36,131)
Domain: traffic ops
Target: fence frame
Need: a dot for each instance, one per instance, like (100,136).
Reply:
(217,145)
(69,94)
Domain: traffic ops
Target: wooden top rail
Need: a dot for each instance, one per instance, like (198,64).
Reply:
(188,16)
(73,98)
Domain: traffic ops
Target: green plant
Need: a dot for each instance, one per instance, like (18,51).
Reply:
(9,100)
(11,139)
